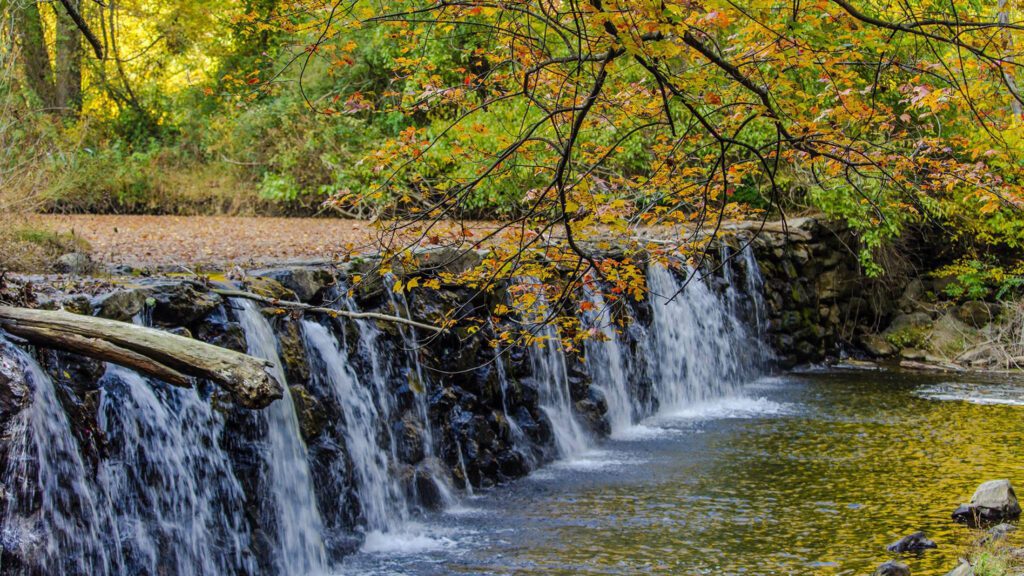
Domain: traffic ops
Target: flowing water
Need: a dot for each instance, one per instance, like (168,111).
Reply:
(810,473)
(712,467)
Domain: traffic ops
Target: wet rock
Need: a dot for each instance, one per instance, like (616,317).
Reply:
(915,543)
(309,411)
(877,346)
(292,350)
(74,263)
(268,288)
(962,569)
(892,568)
(977,313)
(15,393)
(430,484)
(513,464)
(408,435)
(993,501)
(594,409)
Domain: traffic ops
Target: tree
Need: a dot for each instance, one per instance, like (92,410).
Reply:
(618,115)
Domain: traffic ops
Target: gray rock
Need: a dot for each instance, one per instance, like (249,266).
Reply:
(993,501)
(977,313)
(916,542)
(962,569)
(998,532)
(912,320)
(121,305)
(74,263)
(306,283)
(892,568)
(913,354)
(996,498)
(877,346)
(911,295)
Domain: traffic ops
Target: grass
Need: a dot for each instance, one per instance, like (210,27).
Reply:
(33,250)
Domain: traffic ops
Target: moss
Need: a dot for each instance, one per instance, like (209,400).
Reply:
(909,337)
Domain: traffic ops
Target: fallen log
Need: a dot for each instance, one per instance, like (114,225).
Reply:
(160,354)
(320,310)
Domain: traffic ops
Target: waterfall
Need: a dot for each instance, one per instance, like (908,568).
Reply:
(168,481)
(300,547)
(547,360)
(380,495)
(52,513)
(700,346)
(606,363)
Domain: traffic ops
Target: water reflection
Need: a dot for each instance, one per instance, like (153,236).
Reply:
(855,462)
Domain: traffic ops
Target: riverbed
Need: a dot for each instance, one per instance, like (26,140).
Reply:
(803,473)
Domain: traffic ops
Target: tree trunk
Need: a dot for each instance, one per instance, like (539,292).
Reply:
(35,56)
(160,354)
(68,77)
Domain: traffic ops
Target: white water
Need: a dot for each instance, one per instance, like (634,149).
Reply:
(552,378)
(380,495)
(167,480)
(700,351)
(52,510)
(299,528)
(606,364)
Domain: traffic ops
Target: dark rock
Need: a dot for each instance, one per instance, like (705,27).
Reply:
(892,568)
(180,303)
(408,435)
(121,305)
(306,283)
(310,412)
(15,392)
(916,542)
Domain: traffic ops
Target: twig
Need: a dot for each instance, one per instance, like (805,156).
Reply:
(320,310)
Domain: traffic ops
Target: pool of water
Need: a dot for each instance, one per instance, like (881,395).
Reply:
(807,473)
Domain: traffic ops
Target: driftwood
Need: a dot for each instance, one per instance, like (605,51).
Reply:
(163,355)
(320,310)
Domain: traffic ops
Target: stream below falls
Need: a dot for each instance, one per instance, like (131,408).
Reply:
(805,473)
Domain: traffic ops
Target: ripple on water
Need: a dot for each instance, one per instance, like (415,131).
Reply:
(983,394)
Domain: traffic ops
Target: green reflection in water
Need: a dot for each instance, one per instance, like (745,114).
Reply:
(861,462)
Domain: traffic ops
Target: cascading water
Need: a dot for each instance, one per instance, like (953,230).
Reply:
(703,349)
(551,374)
(52,514)
(380,495)
(299,547)
(168,481)
(183,488)
(606,363)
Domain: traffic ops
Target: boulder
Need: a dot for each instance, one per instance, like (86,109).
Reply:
(877,346)
(993,501)
(977,313)
(74,263)
(15,390)
(306,283)
(916,543)
(912,320)
(892,568)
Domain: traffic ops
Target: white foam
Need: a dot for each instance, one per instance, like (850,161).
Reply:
(413,539)
(643,431)
(595,460)
(737,407)
(982,394)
